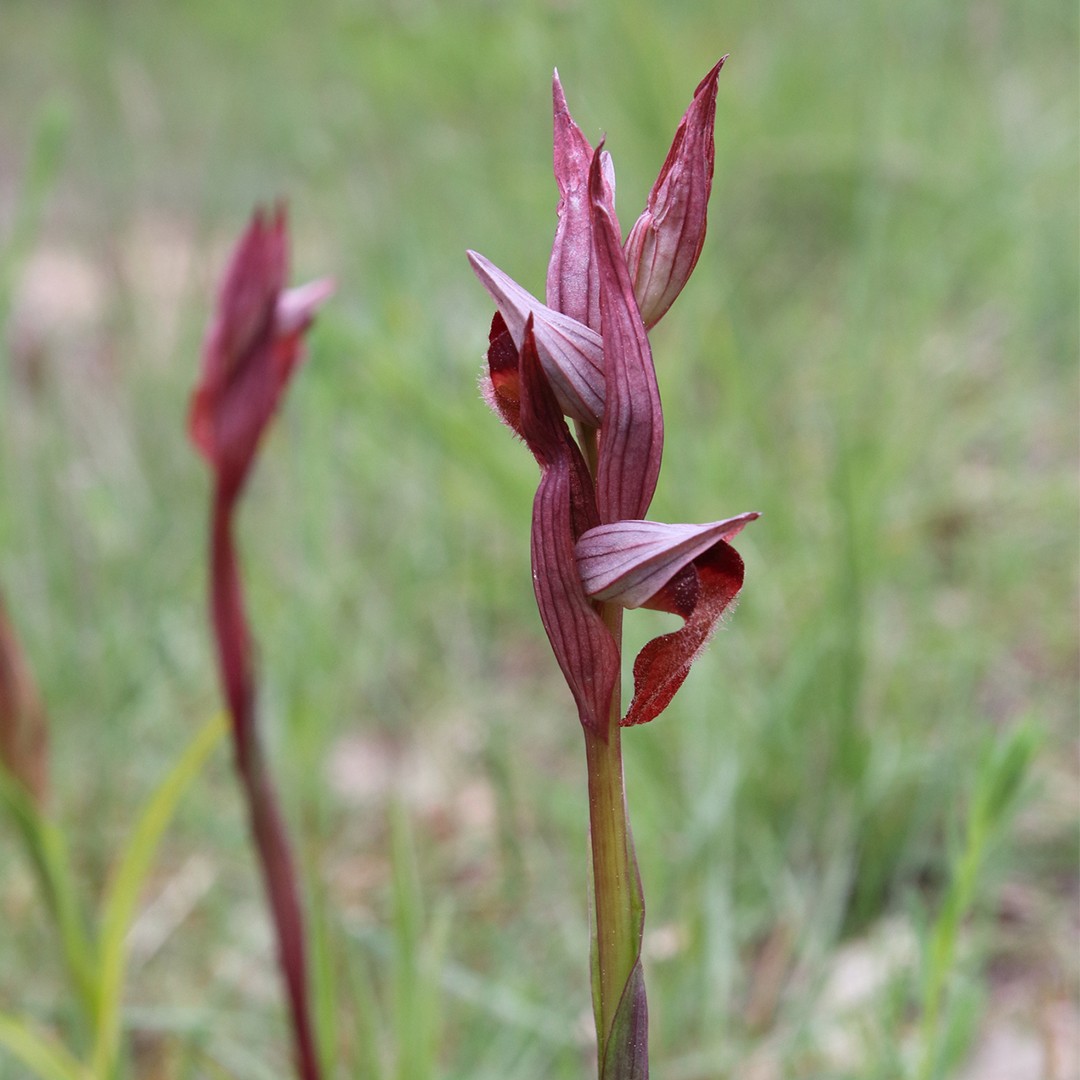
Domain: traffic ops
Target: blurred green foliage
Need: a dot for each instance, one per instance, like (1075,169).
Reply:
(878,350)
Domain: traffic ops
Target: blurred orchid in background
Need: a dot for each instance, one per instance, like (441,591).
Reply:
(251,350)
(585,354)
(252,347)
(24,734)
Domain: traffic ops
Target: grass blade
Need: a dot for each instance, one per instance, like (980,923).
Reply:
(124,889)
(48,1059)
(47,851)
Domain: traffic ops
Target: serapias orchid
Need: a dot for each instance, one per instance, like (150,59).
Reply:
(585,354)
(252,348)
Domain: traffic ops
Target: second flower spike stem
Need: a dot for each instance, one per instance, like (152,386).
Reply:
(268,829)
(252,347)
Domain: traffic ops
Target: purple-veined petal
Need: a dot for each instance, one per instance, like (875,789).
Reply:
(570,353)
(630,561)
(665,242)
(573,286)
(687,570)
(632,430)
(563,509)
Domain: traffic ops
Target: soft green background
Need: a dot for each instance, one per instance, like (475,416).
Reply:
(878,350)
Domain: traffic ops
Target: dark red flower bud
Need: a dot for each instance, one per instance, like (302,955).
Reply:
(251,349)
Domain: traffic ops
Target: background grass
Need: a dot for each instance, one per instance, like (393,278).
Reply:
(878,350)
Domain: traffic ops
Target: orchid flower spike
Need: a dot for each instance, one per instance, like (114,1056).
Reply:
(585,354)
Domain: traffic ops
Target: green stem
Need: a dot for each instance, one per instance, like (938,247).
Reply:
(586,437)
(618,914)
(618,909)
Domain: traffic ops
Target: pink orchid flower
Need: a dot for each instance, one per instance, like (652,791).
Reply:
(687,570)
(569,351)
